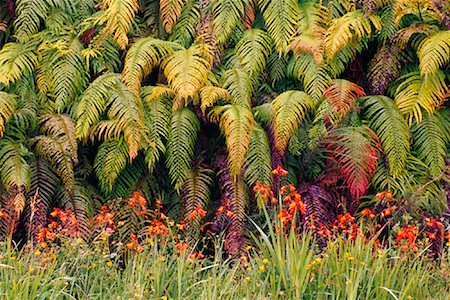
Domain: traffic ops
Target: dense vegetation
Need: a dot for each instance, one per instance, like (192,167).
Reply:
(195,102)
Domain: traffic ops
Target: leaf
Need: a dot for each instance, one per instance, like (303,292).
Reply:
(8,103)
(434,52)
(15,172)
(209,95)
(227,14)
(390,126)
(258,162)
(355,150)
(238,82)
(289,109)
(342,94)
(180,147)
(142,57)
(15,60)
(170,11)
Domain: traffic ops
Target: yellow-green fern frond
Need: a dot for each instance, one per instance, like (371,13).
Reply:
(417,92)
(258,162)
(253,50)
(118,16)
(237,123)
(181,143)
(282,18)
(111,159)
(434,52)
(157,92)
(16,59)
(209,95)
(352,26)
(227,15)
(14,169)
(342,94)
(183,31)
(239,83)
(94,102)
(390,126)
(431,138)
(170,11)
(289,109)
(187,71)
(8,103)
(142,57)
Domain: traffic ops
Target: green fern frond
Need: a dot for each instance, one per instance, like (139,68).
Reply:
(416,92)
(187,71)
(239,83)
(15,171)
(289,109)
(128,109)
(237,124)
(183,31)
(253,50)
(390,126)
(93,103)
(281,18)
(431,138)
(227,14)
(111,159)
(181,143)
(258,162)
(8,103)
(142,57)
(263,113)
(15,60)
(434,52)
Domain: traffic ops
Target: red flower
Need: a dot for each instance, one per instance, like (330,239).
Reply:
(368,213)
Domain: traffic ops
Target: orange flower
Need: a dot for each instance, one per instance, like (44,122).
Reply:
(434,222)
(198,211)
(388,211)
(181,247)
(279,171)
(196,255)
(410,234)
(182,225)
(368,213)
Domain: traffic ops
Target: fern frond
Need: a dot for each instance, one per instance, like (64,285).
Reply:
(15,60)
(239,83)
(15,171)
(195,192)
(434,52)
(352,26)
(183,31)
(237,124)
(170,10)
(142,57)
(289,109)
(181,143)
(253,50)
(227,14)
(118,16)
(342,94)
(390,126)
(258,162)
(94,102)
(416,92)
(187,71)
(384,68)
(209,95)
(431,138)
(355,150)
(8,103)
(111,159)
(281,18)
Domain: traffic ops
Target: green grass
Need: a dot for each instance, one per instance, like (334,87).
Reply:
(277,268)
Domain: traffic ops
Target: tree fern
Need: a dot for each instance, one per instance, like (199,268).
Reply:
(209,95)
(183,31)
(416,93)
(170,11)
(142,57)
(15,60)
(386,120)
(289,109)
(30,14)
(434,52)
(237,124)
(431,138)
(181,142)
(342,94)
(238,82)
(258,163)
(281,18)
